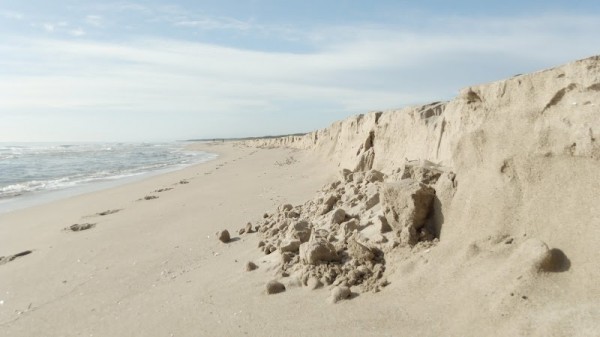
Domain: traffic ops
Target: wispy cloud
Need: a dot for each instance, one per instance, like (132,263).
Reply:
(11,15)
(209,23)
(77,32)
(51,27)
(48,27)
(94,20)
(122,6)
(352,69)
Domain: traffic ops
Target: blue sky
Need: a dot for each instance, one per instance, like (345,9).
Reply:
(158,70)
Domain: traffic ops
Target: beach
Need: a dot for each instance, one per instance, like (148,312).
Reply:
(153,262)
(473,217)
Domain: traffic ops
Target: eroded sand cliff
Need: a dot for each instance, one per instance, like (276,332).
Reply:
(507,178)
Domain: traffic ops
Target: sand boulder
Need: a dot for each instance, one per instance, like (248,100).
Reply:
(314,283)
(374,176)
(224,236)
(250,266)
(339,293)
(338,216)
(290,245)
(425,172)
(328,203)
(348,227)
(274,287)
(300,230)
(533,255)
(346,175)
(358,251)
(372,201)
(407,204)
(317,250)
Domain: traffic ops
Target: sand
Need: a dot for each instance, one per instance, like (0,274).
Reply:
(154,268)
(505,246)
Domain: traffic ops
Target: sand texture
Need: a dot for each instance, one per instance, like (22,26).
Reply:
(474,217)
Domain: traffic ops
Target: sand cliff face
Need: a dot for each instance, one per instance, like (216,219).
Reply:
(551,113)
(525,160)
(530,142)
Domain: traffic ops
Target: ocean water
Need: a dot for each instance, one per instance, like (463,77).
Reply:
(28,169)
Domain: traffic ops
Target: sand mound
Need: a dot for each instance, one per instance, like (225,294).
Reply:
(341,236)
(502,179)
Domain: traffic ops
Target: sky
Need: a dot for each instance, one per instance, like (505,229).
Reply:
(171,70)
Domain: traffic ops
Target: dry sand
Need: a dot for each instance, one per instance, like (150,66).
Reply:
(154,268)
(507,246)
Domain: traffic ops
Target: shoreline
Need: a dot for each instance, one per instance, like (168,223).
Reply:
(35,198)
(149,251)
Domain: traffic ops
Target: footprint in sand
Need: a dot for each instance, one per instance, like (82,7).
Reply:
(163,189)
(80,227)
(148,197)
(109,212)
(7,259)
(104,213)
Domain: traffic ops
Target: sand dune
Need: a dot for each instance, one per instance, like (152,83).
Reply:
(473,217)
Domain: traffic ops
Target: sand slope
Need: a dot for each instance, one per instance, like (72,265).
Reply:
(516,216)
(527,162)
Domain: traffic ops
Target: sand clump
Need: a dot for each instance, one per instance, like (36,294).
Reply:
(250,266)
(340,237)
(246,229)
(339,294)
(409,203)
(224,236)
(274,287)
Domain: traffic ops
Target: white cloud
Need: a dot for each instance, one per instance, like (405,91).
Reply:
(11,15)
(77,32)
(48,27)
(210,23)
(355,69)
(94,20)
(123,7)
(52,27)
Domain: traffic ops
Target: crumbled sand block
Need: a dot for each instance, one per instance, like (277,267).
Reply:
(274,287)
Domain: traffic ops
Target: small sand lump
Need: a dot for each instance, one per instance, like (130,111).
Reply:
(339,294)
(314,283)
(275,287)
(224,236)
(250,266)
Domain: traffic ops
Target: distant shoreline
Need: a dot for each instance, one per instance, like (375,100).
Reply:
(242,138)
(32,197)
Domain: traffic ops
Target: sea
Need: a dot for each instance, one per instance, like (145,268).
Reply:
(34,173)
